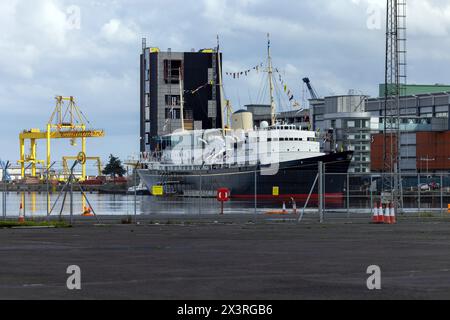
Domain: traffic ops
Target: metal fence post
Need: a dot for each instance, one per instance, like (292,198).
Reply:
(419,194)
(348,195)
(4,200)
(442,195)
(256,192)
(321,191)
(200,196)
(47,200)
(135,194)
(24,204)
(71,199)
(371,193)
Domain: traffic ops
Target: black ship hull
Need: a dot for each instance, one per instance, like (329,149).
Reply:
(286,181)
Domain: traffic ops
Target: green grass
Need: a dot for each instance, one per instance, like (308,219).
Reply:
(426,215)
(14,224)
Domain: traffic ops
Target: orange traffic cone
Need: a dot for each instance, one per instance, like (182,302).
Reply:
(380,213)
(392,216)
(87,212)
(387,214)
(21,215)
(375,214)
(284,207)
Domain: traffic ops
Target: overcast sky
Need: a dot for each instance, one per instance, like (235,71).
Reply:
(90,49)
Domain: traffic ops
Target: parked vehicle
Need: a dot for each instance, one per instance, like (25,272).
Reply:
(424,187)
(432,186)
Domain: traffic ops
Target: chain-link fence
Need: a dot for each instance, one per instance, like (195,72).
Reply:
(341,195)
(418,193)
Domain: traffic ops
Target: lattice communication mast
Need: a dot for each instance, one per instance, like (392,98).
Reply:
(395,85)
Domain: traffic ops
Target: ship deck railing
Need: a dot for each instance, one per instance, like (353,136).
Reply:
(167,166)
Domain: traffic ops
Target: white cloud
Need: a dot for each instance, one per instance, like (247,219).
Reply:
(117,31)
(426,19)
(30,32)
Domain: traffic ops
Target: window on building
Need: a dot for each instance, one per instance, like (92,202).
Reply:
(351,124)
(173,72)
(172,100)
(173,113)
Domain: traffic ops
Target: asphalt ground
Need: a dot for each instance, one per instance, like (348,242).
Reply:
(232,257)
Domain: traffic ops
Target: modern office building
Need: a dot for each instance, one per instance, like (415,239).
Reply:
(424,127)
(417,89)
(346,126)
(357,123)
(160,93)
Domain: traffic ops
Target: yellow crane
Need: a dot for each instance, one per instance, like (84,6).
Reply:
(66,170)
(66,122)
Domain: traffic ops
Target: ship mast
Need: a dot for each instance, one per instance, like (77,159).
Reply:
(270,71)
(219,68)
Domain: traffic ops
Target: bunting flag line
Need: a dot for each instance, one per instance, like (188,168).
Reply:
(237,75)
(286,89)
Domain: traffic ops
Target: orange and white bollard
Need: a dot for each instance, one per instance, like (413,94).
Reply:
(21,214)
(393,217)
(387,214)
(380,213)
(375,214)
(284,207)
(294,206)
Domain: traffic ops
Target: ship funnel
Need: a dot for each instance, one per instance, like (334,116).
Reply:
(242,120)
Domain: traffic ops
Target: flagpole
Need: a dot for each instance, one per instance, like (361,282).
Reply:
(270,71)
